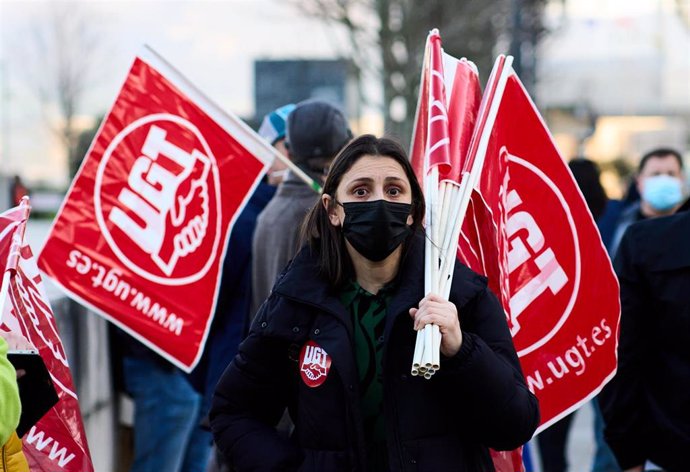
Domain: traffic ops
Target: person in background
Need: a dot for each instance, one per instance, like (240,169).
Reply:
(273,129)
(316,131)
(661,186)
(553,441)
(18,190)
(646,406)
(234,297)
(334,343)
(614,208)
(166,411)
(12,458)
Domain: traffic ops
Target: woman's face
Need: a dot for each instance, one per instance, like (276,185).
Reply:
(370,178)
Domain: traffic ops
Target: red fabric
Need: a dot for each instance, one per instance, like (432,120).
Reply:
(57,441)
(142,232)
(438,140)
(444,128)
(529,230)
(444,121)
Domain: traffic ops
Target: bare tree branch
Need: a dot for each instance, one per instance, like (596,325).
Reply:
(397,30)
(60,54)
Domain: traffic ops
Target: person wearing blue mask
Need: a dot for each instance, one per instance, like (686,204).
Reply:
(661,186)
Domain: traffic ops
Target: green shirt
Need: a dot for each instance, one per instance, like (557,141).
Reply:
(10,406)
(368,313)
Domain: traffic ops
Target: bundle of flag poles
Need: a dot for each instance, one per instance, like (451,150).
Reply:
(452,150)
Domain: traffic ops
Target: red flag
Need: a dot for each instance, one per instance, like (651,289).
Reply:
(529,230)
(463,106)
(447,112)
(421,127)
(448,104)
(438,140)
(142,232)
(57,441)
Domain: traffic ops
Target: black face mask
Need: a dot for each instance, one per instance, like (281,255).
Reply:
(375,229)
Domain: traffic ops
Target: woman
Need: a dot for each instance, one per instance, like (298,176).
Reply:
(334,343)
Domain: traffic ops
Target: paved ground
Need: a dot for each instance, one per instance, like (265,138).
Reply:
(580,447)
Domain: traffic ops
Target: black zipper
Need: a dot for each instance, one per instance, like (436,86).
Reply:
(353,436)
(396,423)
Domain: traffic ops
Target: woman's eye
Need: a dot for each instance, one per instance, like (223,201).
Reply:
(394,192)
(360,192)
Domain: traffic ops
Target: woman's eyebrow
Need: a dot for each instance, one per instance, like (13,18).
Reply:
(369,179)
(395,178)
(361,180)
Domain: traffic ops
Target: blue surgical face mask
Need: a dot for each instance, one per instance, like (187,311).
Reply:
(662,192)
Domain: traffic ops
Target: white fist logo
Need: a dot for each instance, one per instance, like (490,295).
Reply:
(165,211)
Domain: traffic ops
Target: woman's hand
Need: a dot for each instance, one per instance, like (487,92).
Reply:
(435,310)
(16,341)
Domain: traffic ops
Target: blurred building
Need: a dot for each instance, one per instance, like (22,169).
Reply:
(277,82)
(613,78)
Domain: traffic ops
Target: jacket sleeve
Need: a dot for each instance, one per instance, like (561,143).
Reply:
(249,400)
(487,376)
(621,400)
(10,406)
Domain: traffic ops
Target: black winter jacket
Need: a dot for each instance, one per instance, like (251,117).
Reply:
(647,404)
(478,399)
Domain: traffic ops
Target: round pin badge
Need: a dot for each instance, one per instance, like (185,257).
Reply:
(315,363)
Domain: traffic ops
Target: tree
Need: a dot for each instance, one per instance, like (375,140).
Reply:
(387,39)
(64,45)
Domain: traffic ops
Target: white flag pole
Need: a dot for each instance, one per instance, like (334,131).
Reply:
(478,164)
(313,184)
(417,358)
(3,291)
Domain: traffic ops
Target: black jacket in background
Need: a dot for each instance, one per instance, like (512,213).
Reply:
(647,404)
(477,400)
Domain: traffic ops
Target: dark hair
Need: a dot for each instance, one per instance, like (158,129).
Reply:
(586,175)
(326,239)
(632,193)
(659,152)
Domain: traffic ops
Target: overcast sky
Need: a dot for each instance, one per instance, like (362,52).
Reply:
(213,43)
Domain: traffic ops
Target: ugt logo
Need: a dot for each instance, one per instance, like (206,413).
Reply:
(543,258)
(157,199)
(314,364)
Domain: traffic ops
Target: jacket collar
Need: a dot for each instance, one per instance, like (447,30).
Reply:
(302,283)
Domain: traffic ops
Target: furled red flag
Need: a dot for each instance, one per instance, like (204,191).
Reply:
(447,111)
(143,229)
(529,230)
(57,441)
(447,108)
